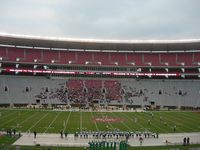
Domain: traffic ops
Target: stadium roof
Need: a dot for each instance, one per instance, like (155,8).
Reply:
(103,45)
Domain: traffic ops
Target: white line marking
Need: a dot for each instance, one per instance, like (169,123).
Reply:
(108,122)
(4,116)
(20,124)
(37,122)
(16,117)
(81,123)
(122,122)
(52,122)
(67,120)
(131,119)
(94,121)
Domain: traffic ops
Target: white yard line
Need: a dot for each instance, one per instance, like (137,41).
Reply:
(131,119)
(27,119)
(108,122)
(37,122)
(94,121)
(183,124)
(52,122)
(187,117)
(122,122)
(81,121)
(5,116)
(162,129)
(67,120)
(10,120)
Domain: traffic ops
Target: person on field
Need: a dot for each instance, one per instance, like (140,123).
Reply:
(14,132)
(160,118)
(152,115)
(188,141)
(157,135)
(61,134)
(174,128)
(141,140)
(149,122)
(35,134)
(66,135)
(184,141)
(135,120)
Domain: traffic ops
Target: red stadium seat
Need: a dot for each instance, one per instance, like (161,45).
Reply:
(14,53)
(67,56)
(102,57)
(3,52)
(185,58)
(119,58)
(31,54)
(84,57)
(49,55)
(136,58)
(153,59)
(169,58)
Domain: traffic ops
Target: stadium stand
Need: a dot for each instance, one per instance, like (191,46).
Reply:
(78,73)
(170,59)
(105,59)
(113,89)
(75,89)
(63,91)
(94,89)
(135,58)
(33,54)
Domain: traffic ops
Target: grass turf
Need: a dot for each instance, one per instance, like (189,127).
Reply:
(55,121)
(6,140)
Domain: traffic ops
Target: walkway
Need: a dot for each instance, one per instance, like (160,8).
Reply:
(70,141)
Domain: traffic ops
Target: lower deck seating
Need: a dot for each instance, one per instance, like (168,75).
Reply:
(40,90)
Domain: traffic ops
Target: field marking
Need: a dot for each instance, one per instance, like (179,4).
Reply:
(132,120)
(81,121)
(108,122)
(27,119)
(11,120)
(170,124)
(52,122)
(67,120)
(4,116)
(142,127)
(185,116)
(182,123)
(122,122)
(161,129)
(37,122)
(2,124)
(94,121)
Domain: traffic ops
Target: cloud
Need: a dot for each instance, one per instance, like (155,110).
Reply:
(113,19)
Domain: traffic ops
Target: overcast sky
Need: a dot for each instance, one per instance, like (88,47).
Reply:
(102,19)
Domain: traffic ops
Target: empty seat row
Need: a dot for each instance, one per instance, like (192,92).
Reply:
(99,58)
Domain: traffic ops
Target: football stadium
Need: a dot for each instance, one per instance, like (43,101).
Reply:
(60,93)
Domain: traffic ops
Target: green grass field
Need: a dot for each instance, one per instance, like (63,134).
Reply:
(55,121)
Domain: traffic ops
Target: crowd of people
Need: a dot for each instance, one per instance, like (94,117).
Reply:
(122,135)
(83,91)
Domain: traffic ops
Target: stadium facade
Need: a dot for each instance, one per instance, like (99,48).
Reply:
(58,71)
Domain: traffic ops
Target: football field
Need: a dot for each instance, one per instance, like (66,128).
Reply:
(46,121)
